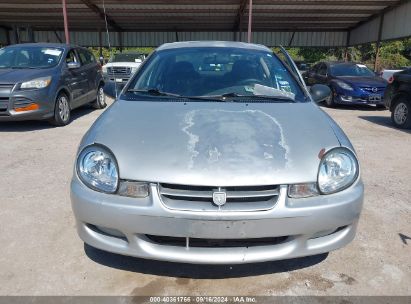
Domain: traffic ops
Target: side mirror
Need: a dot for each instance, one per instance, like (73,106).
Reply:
(319,92)
(73,65)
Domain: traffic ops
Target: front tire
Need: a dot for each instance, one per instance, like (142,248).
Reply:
(401,113)
(100,102)
(62,111)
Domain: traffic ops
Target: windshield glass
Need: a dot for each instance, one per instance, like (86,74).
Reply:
(351,70)
(127,57)
(29,57)
(217,71)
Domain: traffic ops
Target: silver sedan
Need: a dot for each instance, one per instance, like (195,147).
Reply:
(216,153)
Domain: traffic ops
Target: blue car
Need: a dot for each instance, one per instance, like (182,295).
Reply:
(351,83)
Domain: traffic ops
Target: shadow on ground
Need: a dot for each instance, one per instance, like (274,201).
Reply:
(33,125)
(355,107)
(195,271)
(383,121)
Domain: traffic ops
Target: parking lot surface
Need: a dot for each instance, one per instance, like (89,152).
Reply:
(41,253)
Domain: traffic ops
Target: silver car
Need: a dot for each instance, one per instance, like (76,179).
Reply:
(216,153)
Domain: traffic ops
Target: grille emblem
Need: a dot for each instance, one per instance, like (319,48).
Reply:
(219,197)
(374,90)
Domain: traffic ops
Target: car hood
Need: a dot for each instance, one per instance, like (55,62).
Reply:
(363,81)
(215,144)
(123,64)
(12,76)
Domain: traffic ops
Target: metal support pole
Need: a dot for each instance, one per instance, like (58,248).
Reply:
(66,31)
(347,45)
(250,19)
(240,28)
(377,51)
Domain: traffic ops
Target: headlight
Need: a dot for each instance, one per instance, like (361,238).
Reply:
(37,83)
(133,70)
(97,169)
(104,68)
(338,170)
(344,85)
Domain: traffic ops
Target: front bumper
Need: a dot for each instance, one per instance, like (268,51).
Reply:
(21,99)
(357,100)
(308,226)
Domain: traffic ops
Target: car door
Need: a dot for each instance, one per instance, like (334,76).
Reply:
(87,72)
(73,79)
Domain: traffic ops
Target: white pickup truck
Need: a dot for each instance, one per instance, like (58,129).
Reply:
(122,66)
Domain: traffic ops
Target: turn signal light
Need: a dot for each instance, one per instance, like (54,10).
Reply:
(30,107)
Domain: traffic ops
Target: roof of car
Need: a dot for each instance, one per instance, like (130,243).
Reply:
(228,44)
(44,44)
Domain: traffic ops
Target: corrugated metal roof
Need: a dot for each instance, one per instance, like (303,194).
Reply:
(192,15)
(152,22)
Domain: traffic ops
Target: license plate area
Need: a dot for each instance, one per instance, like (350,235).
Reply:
(375,98)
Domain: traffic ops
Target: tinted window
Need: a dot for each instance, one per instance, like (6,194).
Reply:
(71,57)
(127,57)
(322,69)
(351,70)
(86,57)
(29,57)
(216,71)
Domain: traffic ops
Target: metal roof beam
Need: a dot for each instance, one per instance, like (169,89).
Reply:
(102,16)
(240,14)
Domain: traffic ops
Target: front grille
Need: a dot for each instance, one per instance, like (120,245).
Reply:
(200,198)
(119,71)
(373,90)
(4,103)
(215,243)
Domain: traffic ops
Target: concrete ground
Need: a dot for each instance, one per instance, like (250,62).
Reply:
(41,254)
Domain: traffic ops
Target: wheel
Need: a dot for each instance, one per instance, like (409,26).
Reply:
(329,101)
(401,113)
(100,102)
(61,111)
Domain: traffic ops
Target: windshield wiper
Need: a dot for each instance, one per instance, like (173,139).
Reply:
(22,67)
(278,98)
(156,92)
(153,92)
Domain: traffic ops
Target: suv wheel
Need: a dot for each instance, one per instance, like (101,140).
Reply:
(61,111)
(401,114)
(100,102)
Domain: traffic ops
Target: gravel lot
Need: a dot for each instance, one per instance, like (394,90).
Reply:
(42,255)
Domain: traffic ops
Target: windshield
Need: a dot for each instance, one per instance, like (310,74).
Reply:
(351,70)
(124,57)
(29,57)
(216,71)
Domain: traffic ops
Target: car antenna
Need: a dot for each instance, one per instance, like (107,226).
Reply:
(108,41)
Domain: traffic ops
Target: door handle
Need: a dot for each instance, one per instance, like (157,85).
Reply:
(83,74)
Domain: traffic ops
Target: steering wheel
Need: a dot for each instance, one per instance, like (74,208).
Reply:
(250,81)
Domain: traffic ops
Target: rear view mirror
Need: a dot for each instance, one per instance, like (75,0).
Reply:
(73,65)
(319,92)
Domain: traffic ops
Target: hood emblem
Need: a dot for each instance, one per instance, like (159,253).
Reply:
(219,197)
(374,90)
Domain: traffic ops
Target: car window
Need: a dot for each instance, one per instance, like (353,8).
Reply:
(322,70)
(344,69)
(86,57)
(127,57)
(216,71)
(20,57)
(71,57)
